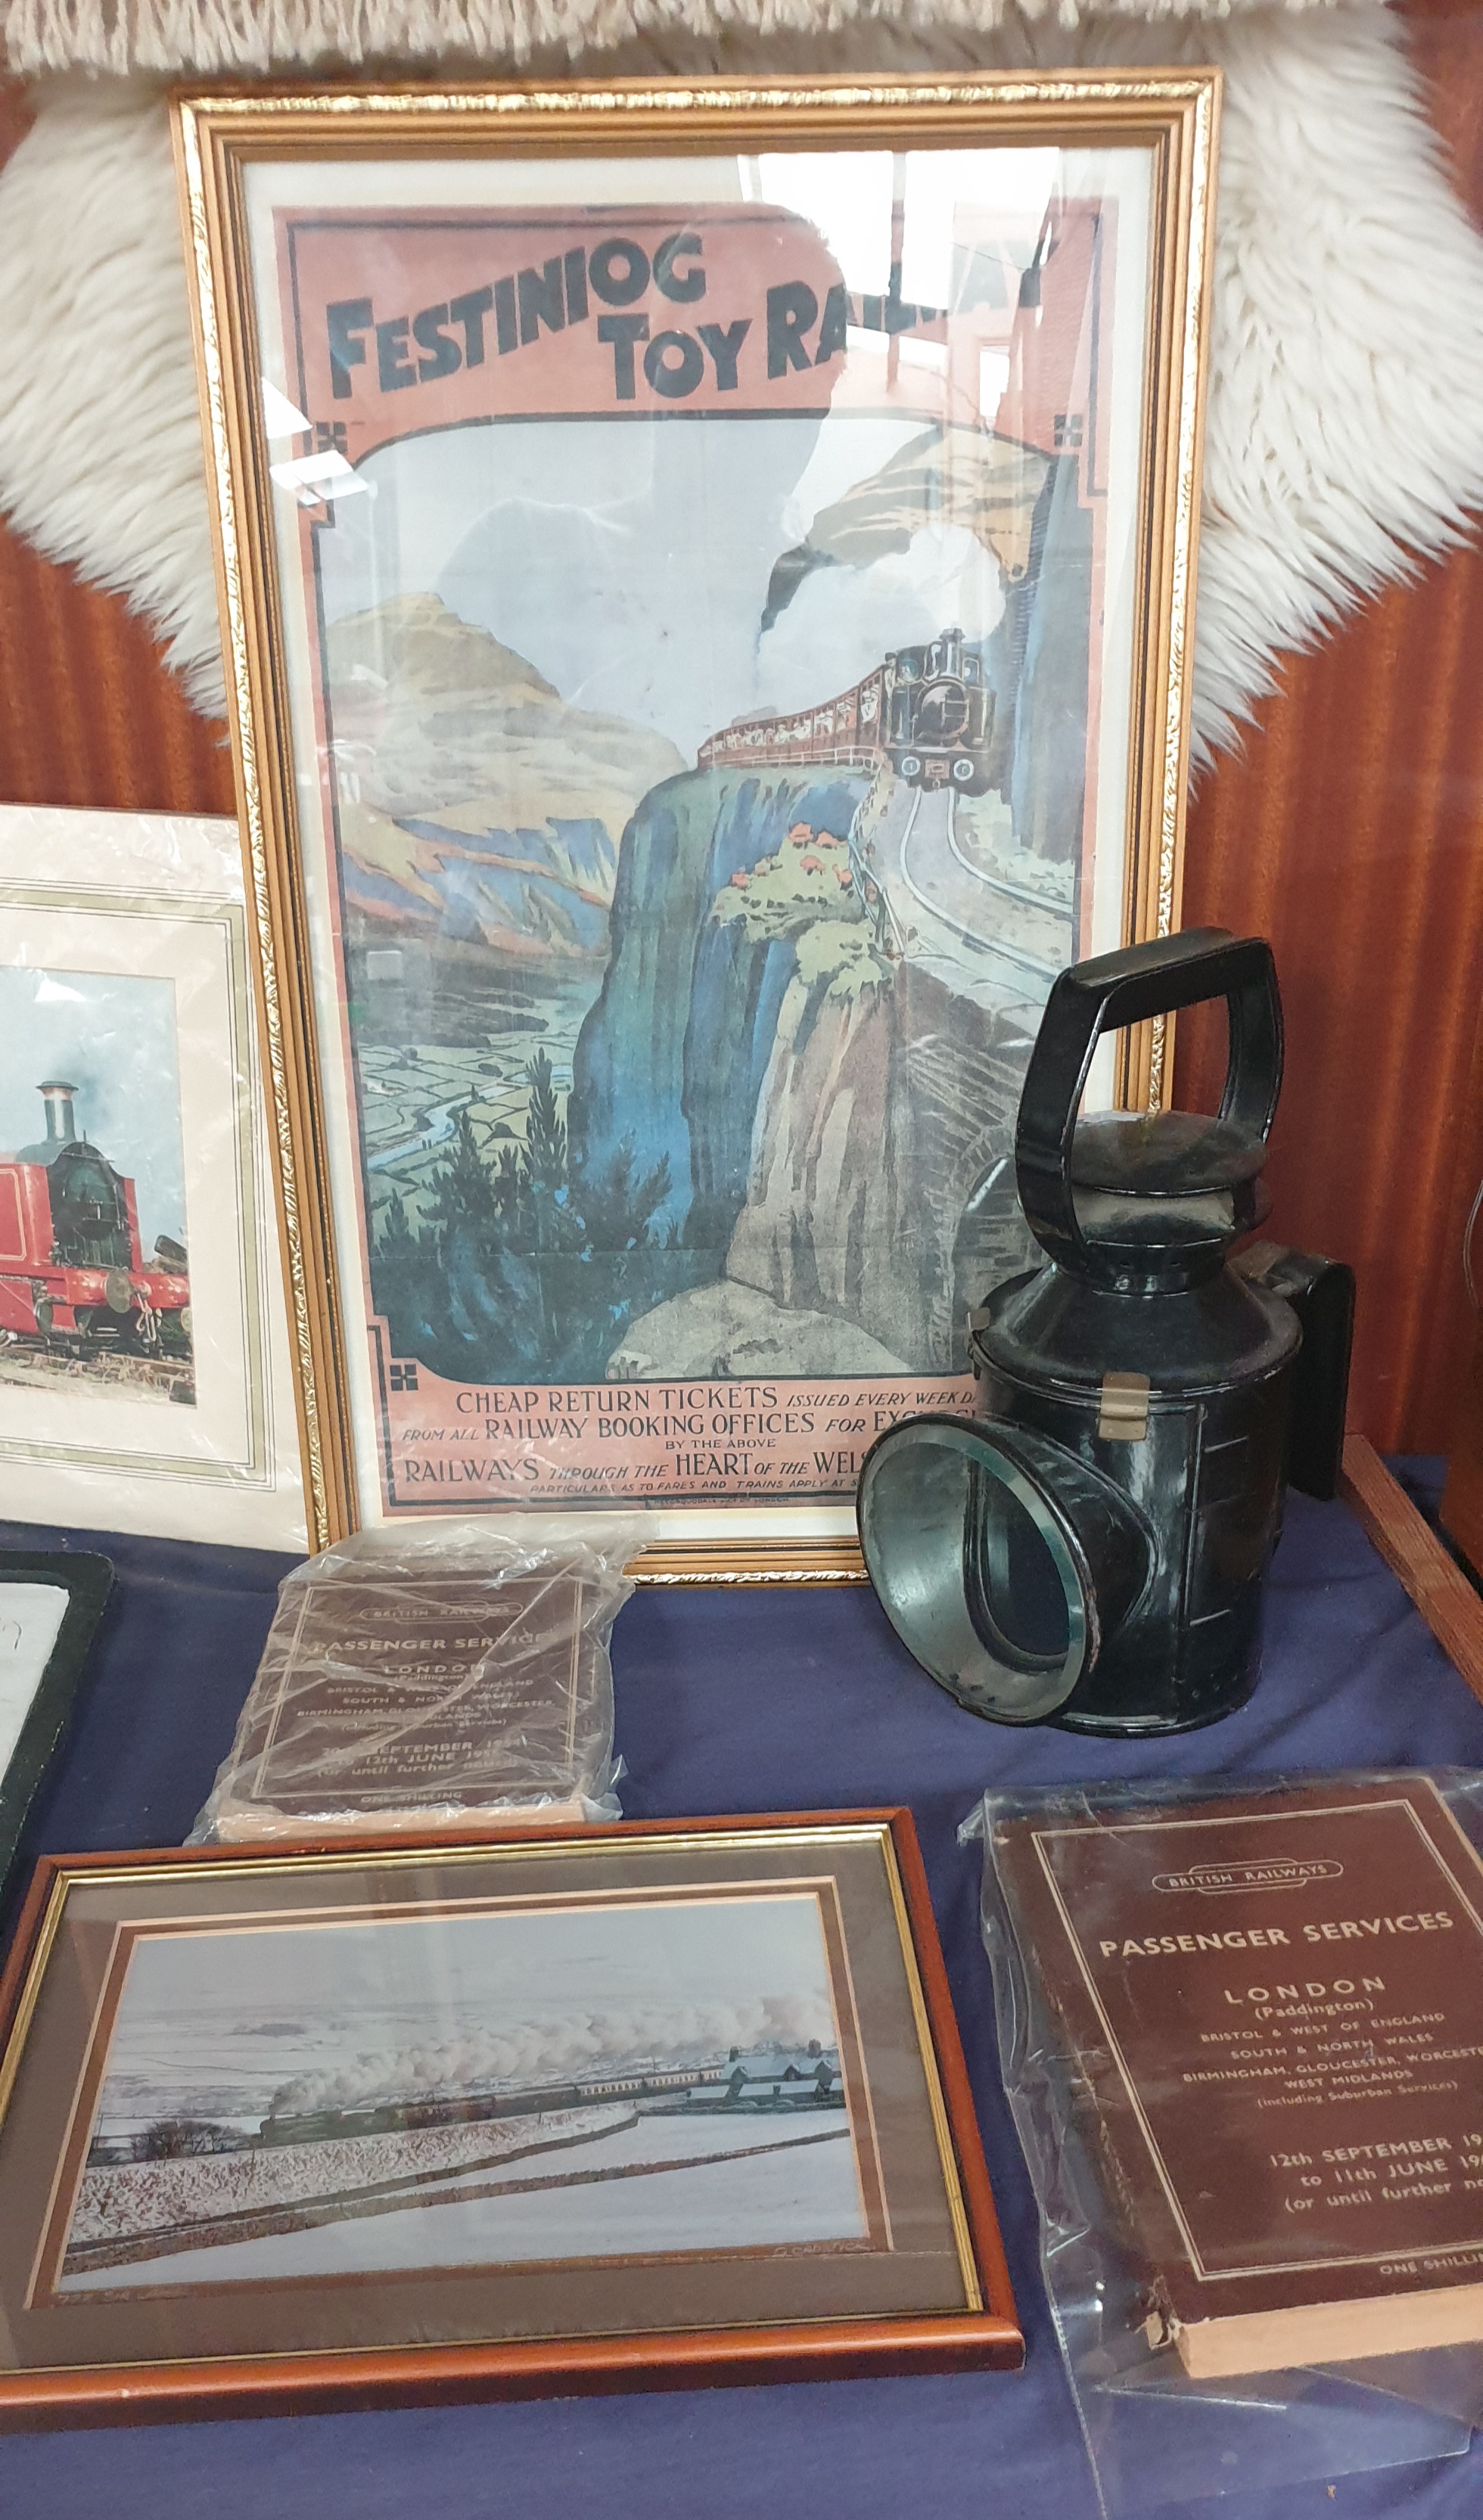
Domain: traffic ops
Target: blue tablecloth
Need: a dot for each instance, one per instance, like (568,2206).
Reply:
(738,1700)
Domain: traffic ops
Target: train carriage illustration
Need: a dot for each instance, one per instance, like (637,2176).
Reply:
(927,709)
(73,1274)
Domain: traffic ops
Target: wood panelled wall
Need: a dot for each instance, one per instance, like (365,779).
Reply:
(1349,829)
(89,714)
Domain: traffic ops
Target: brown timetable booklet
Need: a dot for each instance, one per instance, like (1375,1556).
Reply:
(388,1703)
(1272,2011)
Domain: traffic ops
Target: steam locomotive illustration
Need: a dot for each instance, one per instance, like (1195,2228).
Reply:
(73,1275)
(939,715)
(928,709)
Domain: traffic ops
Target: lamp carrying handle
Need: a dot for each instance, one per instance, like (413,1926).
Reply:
(1101,996)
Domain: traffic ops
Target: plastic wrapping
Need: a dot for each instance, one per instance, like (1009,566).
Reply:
(144,1375)
(1155,2434)
(416,1678)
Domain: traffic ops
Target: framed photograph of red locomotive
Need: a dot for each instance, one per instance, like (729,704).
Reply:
(144,1360)
(707,577)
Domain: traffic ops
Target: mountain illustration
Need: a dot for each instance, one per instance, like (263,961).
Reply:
(475,805)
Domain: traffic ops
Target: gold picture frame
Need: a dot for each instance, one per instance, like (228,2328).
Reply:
(1027,425)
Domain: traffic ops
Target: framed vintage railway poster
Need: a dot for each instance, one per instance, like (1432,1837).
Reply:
(709,576)
(593,2110)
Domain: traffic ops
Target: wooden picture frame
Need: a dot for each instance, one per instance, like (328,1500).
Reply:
(677,754)
(714,2125)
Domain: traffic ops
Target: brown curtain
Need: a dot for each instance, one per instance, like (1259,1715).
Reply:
(88,713)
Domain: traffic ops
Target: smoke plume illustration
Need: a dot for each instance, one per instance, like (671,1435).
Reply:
(532,2052)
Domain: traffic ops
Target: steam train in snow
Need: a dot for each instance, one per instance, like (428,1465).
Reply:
(473,2108)
(751,2082)
(928,709)
(73,1275)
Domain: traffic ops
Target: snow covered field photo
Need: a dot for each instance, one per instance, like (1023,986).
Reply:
(365,2094)
(647,2185)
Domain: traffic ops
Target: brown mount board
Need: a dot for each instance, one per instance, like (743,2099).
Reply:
(739,2347)
(1270,2011)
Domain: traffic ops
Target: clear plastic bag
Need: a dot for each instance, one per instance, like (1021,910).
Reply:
(1112,2188)
(146,1382)
(416,1679)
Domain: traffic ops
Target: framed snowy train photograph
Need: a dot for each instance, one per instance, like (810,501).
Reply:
(641,2107)
(707,577)
(145,1382)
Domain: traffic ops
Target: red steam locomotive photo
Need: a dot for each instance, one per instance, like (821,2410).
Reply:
(74,1278)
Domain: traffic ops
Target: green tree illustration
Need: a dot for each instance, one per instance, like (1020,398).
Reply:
(528,1264)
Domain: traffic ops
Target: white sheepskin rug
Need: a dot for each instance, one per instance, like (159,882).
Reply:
(224,35)
(1345,421)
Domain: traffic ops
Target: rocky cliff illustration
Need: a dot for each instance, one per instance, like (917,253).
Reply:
(824,1100)
(709,1071)
(778,1113)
